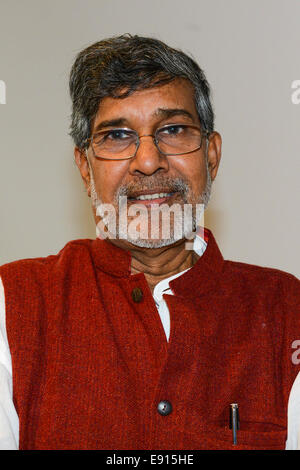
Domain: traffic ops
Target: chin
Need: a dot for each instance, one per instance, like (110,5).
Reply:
(148,243)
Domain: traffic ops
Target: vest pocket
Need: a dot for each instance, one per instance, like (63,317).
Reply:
(255,436)
(255,440)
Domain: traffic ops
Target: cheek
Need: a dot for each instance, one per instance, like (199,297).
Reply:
(108,178)
(193,169)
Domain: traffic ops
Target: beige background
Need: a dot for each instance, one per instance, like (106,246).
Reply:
(250,52)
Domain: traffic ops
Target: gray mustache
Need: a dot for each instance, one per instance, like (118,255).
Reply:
(169,186)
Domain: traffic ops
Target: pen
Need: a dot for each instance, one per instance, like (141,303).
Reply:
(234,421)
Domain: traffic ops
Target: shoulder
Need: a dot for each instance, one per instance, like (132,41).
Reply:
(21,269)
(273,286)
(261,274)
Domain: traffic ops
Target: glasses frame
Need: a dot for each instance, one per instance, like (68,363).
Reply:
(204,134)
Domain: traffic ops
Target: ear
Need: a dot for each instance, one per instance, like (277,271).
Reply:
(214,152)
(83,166)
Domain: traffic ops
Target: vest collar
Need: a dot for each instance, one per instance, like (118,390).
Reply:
(116,261)
(201,278)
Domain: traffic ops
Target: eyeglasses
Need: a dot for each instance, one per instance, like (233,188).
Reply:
(123,143)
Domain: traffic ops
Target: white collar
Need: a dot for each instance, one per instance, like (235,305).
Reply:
(163,287)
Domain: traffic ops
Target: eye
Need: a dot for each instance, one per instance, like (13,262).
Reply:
(175,129)
(117,134)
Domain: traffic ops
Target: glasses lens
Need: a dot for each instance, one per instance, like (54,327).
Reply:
(115,144)
(178,139)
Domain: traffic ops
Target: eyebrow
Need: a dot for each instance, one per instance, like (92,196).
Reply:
(163,113)
(111,123)
(167,113)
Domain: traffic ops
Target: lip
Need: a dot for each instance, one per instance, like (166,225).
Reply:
(150,191)
(150,202)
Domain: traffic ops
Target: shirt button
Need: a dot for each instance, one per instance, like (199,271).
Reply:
(164,407)
(137,295)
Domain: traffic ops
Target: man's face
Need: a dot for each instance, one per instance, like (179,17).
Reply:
(177,179)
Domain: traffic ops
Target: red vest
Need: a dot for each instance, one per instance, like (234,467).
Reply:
(91,361)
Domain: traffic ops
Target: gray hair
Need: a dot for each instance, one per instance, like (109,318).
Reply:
(108,67)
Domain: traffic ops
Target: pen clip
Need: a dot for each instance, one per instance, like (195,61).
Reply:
(234,421)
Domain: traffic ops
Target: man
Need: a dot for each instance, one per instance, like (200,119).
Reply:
(134,340)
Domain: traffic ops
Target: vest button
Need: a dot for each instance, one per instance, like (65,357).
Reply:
(164,407)
(137,295)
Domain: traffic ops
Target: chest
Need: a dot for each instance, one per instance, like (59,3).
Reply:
(101,365)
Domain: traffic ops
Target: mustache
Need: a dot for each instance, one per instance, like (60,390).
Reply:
(166,184)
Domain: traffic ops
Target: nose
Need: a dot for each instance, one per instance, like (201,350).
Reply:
(148,160)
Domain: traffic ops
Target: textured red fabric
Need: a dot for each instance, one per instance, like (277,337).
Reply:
(90,365)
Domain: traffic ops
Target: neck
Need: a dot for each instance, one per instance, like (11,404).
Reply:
(160,263)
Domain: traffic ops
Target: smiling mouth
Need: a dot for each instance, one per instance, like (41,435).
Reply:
(152,198)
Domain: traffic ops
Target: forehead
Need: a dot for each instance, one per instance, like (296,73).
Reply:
(142,105)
